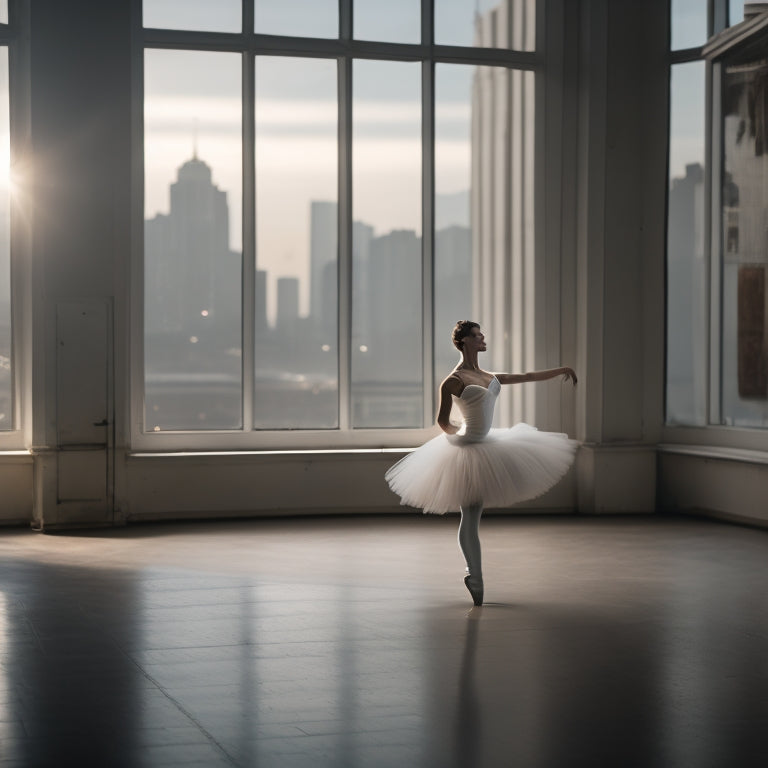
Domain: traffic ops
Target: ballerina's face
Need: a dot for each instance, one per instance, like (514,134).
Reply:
(475,341)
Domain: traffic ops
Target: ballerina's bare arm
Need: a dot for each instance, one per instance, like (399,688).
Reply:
(551,373)
(450,387)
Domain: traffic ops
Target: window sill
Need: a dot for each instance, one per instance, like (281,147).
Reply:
(719,453)
(288,441)
(716,437)
(301,454)
(15,457)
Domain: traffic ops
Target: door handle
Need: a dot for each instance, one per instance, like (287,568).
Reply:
(102,423)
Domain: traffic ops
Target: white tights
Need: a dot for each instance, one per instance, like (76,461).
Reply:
(469,541)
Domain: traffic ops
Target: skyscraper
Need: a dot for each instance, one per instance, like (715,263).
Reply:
(192,308)
(188,263)
(287,304)
(505,270)
(323,251)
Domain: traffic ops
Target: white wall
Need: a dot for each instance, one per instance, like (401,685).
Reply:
(731,484)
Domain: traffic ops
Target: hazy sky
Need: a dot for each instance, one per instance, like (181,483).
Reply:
(192,94)
(687,87)
(195,96)
(393,21)
(687,117)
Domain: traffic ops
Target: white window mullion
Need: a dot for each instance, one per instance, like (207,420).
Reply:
(249,232)
(427,229)
(345,222)
(713,246)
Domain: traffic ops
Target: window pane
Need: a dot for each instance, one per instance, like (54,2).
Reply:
(689,23)
(387,388)
(397,21)
(686,262)
(735,11)
(192,242)
(201,15)
(745,247)
(3,11)
(486,23)
(453,234)
(6,377)
(296,243)
(298,18)
(485,244)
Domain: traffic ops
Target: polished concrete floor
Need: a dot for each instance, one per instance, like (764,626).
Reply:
(352,642)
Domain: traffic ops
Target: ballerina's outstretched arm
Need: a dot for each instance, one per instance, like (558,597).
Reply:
(567,373)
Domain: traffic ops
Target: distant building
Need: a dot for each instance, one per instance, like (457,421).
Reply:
(190,271)
(505,270)
(387,328)
(453,292)
(323,263)
(686,281)
(287,304)
(323,254)
(192,308)
(261,323)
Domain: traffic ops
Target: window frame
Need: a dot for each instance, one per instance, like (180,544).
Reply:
(14,36)
(714,432)
(345,50)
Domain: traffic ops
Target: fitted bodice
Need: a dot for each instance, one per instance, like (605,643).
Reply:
(476,404)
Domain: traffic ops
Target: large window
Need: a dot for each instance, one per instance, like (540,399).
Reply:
(744,242)
(717,246)
(687,310)
(687,265)
(324,185)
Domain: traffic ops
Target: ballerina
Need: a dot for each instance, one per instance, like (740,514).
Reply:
(472,466)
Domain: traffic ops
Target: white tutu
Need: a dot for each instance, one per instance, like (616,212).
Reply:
(480,465)
(506,467)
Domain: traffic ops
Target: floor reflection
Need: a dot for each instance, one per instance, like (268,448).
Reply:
(69,683)
(468,725)
(342,643)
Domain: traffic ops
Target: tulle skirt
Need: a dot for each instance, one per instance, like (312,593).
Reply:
(506,467)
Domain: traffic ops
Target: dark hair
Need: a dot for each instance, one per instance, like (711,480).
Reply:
(461,329)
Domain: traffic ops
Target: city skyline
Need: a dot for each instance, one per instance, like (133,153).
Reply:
(484,237)
(193,316)
(451,209)
(297,141)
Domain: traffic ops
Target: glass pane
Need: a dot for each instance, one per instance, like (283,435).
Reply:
(296,243)
(745,246)
(387,388)
(3,11)
(689,23)
(201,15)
(453,191)
(6,373)
(298,18)
(192,240)
(486,23)
(686,263)
(396,21)
(485,245)
(735,11)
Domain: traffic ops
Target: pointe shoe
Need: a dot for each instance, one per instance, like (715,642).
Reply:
(475,591)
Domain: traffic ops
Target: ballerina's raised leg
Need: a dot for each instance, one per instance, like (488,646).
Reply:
(469,543)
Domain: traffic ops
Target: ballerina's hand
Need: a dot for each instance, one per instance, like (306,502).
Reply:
(569,375)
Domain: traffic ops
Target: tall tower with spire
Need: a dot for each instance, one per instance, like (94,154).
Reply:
(186,251)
